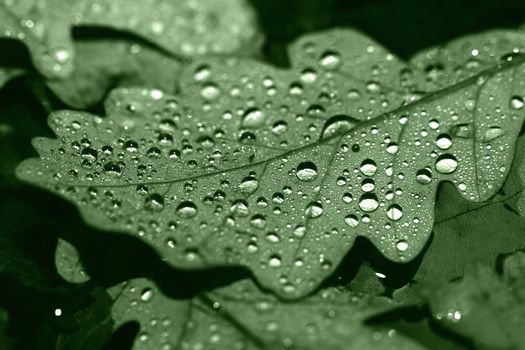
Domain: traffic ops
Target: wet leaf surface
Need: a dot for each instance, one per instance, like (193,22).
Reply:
(278,193)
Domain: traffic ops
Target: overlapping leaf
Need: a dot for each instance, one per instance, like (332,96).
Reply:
(486,308)
(247,168)
(184,28)
(240,316)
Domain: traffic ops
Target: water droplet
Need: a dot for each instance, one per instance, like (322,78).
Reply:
(275,261)
(402,245)
(154,202)
(187,209)
(314,210)
(368,185)
(330,60)
(446,164)
(392,148)
(258,221)
(112,168)
(90,154)
(368,202)
(443,141)
(516,102)
(394,212)
(210,91)
(249,185)
(368,167)
(351,220)
(338,125)
(424,176)
(493,133)
(306,171)
(463,131)
(146,295)
(279,127)
(253,118)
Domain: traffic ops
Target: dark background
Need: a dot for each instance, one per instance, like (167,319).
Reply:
(31,220)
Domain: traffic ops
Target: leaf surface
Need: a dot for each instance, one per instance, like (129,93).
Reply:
(285,193)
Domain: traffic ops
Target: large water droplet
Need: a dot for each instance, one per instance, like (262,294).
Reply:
(424,176)
(187,209)
(249,185)
(443,141)
(368,202)
(463,131)
(154,202)
(516,102)
(338,125)
(146,294)
(306,171)
(446,164)
(368,167)
(402,245)
(351,220)
(394,212)
(493,133)
(253,118)
(330,60)
(314,210)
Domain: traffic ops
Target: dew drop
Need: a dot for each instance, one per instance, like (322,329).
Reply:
(146,295)
(394,212)
(314,210)
(154,202)
(330,60)
(516,102)
(368,202)
(493,133)
(424,176)
(275,261)
(368,167)
(392,148)
(210,91)
(253,118)
(443,141)
(187,209)
(306,171)
(446,164)
(351,220)
(249,185)
(337,125)
(402,245)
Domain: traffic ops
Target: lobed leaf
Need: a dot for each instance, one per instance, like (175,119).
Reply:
(241,170)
